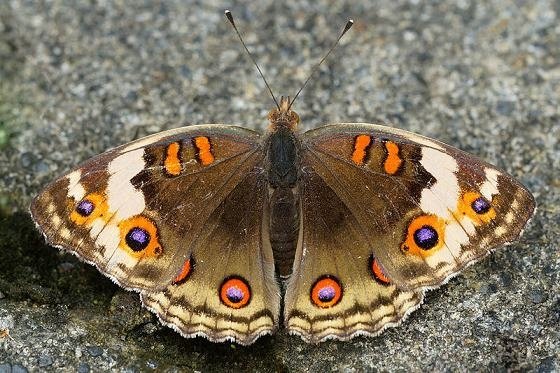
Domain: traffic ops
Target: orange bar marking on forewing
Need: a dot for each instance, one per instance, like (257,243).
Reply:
(393,160)
(361,144)
(172,162)
(204,150)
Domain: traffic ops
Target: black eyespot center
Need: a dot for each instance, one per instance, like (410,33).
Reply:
(137,239)
(426,237)
(85,207)
(480,205)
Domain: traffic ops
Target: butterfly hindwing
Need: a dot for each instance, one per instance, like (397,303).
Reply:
(233,258)
(336,289)
(427,209)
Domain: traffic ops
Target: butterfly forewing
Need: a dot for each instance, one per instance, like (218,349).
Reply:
(427,209)
(135,210)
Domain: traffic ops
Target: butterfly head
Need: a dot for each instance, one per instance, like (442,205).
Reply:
(283,115)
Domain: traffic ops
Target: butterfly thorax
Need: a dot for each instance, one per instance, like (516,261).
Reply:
(282,146)
(282,169)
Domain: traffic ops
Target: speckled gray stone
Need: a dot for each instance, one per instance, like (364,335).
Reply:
(45,361)
(83,368)
(94,351)
(79,77)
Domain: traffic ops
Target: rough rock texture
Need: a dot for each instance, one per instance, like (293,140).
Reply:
(79,77)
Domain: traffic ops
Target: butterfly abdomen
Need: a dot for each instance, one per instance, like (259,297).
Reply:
(283,162)
(284,228)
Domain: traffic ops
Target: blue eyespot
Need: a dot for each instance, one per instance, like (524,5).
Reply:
(426,237)
(480,205)
(137,239)
(85,207)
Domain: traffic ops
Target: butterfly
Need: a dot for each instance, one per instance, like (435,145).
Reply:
(229,234)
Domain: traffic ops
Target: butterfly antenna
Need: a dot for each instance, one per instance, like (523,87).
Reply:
(230,19)
(348,26)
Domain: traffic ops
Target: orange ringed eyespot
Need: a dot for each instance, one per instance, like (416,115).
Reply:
(139,237)
(235,292)
(476,207)
(326,292)
(424,235)
(89,208)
